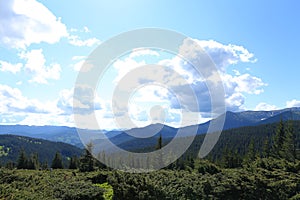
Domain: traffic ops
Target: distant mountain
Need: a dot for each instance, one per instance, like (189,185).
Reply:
(119,138)
(293,114)
(233,120)
(10,146)
(53,133)
(252,118)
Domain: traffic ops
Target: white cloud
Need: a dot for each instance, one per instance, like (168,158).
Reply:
(35,65)
(85,29)
(244,83)
(24,22)
(235,102)
(77,41)
(15,108)
(83,102)
(8,67)
(38,119)
(225,55)
(13,101)
(293,103)
(265,107)
(77,66)
(125,66)
(236,86)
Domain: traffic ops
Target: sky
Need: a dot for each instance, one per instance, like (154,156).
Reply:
(43,45)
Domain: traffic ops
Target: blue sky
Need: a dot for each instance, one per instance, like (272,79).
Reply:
(44,43)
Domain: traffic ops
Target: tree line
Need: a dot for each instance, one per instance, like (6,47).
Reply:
(85,163)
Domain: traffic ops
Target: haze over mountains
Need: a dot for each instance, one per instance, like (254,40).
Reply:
(69,134)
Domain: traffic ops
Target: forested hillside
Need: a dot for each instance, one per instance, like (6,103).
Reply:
(11,147)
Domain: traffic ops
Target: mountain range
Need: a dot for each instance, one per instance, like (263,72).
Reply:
(126,139)
(120,138)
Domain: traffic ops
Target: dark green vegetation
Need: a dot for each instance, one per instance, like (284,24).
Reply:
(56,184)
(259,162)
(11,147)
(262,179)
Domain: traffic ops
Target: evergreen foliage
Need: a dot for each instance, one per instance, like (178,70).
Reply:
(87,161)
(57,161)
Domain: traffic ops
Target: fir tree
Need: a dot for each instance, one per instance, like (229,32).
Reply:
(159,142)
(35,161)
(289,144)
(22,160)
(266,148)
(159,160)
(45,165)
(73,162)
(250,156)
(278,140)
(87,162)
(57,161)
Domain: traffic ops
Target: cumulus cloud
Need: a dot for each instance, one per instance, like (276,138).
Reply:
(15,108)
(24,22)
(84,101)
(225,55)
(249,84)
(36,66)
(13,101)
(9,67)
(237,85)
(293,103)
(177,69)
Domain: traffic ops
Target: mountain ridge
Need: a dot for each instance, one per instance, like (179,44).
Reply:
(70,135)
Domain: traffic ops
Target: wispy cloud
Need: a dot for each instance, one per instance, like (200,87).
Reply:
(77,41)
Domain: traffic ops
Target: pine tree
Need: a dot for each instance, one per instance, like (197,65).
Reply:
(30,163)
(22,160)
(87,162)
(228,158)
(237,159)
(278,140)
(57,161)
(159,142)
(34,159)
(266,148)
(73,163)
(289,145)
(251,151)
(159,160)
(45,165)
